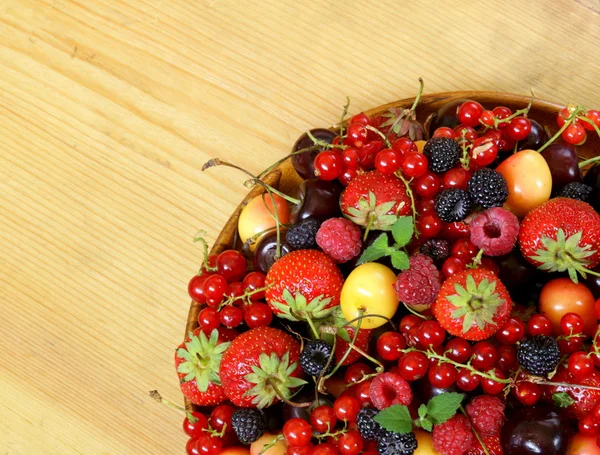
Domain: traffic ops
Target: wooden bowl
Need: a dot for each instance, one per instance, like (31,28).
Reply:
(285,178)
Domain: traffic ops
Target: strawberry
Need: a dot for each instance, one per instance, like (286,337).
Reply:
(492,444)
(562,234)
(583,400)
(472,304)
(362,343)
(375,200)
(197,361)
(304,284)
(261,366)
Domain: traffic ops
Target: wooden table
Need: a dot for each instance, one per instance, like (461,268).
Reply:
(108,110)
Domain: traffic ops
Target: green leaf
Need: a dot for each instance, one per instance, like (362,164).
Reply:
(444,406)
(396,418)
(377,250)
(422,411)
(427,425)
(344,335)
(403,230)
(400,260)
(562,399)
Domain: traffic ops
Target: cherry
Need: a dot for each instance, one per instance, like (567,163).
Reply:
(231,265)
(528,393)
(484,356)
(196,288)
(413,365)
(297,432)
(209,445)
(209,319)
(539,324)
(574,134)
(231,316)
(507,358)
(431,334)
(580,365)
(347,176)
(501,112)
(512,331)
(441,375)
(329,165)
(214,287)
(302,450)
(453,265)
(518,128)
(427,185)
(492,387)
(484,151)
(253,281)
(467,381)
(459,350)
(356,135)
(571,324)
(429,225)
(257,314)
(587,425)
(350,443)
(456,230)
(221,416)
(194,429)
(404,146)
(351,158)
(594,116)
(389,345)
(444,131)
(408,322)
(346,408)
(487,118)
(469,113)
(357,371)
(571,345)
(323,419)
(457,177)
(360,119)
(464,249)
(191,447)
(414,164)
(388,161)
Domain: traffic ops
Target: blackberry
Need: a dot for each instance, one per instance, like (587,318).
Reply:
(315,356)
(539,355)
(367,427)
(436,249)
(302,236)
(453,205)
(396,443)
(488,188)
(576,190)
(442,153)
(248,424)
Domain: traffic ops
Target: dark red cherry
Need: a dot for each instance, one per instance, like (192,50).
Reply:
(304,162)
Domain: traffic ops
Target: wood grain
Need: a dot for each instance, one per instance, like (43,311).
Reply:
(108,110)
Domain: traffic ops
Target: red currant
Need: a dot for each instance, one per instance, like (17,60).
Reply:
(507,358)
(356,372)
(427,185)
(441,375)
(571,345)
(387,161)
(487,118)
(363,393)
(209,319)
(360,119)
(456,230)
(429,225)
(404,146)
(191,447)
(327,448)
(356,135)
(469,113)
(194,429)
(297,432)
(221,416)
(350,443)
(346,408)
(368,153)
(464,249)
(594,116)
(453,265)
(469,133)
(528,393)
(413,365)
(235,289)
(457,177)
(444,131)
(492,387)
(252,282)
(459,350)
(231,265)
(431,333)
(571,324)
(350,157)
(323,419)
(257,314)
(408,322)
(389,345)
(587,425)
(414,164)
(209,445)
(501,112)
(302,450)
(484,151)
(347,176)
(580,365)
(196,288)
(484,356)
(563,115)
(231,316)
(519,128)
(467,381)
(539,325)
(425,206)
(512,331)
(329,165)
(574,134)
(215,287)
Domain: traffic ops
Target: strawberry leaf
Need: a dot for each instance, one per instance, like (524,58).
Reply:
(400,260)
(396,418)
(378,249)
(443,407)
(562,399)
(403,230)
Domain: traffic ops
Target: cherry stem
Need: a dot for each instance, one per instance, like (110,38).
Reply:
(312,326)
(283,398)
(329,360)
(380,366)
(462,409)
(419,93)
(312,148)
(570,120)
(590,161)
(275,215)
(324,144)
(383,136)
(156,396)
(415,312)
(344,112)
(412,200)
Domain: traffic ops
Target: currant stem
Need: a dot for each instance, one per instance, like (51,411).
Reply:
(462,409)
(375,130)
(156,396)
(324,144)
(564,384)
(344,357)
(412,200)
(344,112)
(266,447)
(570,120)
(198,238)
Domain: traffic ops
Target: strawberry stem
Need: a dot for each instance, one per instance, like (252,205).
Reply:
(282,397)
(156,396)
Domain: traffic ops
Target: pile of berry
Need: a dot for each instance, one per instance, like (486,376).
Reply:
(427,290)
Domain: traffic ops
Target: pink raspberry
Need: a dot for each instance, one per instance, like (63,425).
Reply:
(420,284)
(340,239)
(388,389)
(495,231)
(453,437)
(487,414)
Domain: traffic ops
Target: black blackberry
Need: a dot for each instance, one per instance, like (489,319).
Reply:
(436,249)
(576,190)
(315,356)
(367,427)
(396,443)
(539,355)
(442,153)
(248,424)
(488,188)
(453,205)
(301,236)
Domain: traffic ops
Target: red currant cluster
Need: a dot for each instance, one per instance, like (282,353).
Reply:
(229,301)
(209,435)
(574,122)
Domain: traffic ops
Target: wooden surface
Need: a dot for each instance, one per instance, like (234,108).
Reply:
(108,109)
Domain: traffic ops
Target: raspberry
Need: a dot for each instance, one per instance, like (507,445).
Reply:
(388,389)
(495,231)
(340,239)
(487,414)
(453,437)
(420,284)
(492,444)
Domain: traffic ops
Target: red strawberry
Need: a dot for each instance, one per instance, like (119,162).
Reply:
(197,361)
(375,200)
(472,304)
(492,443)
(362,343)
(259,366)
(304,284)
(562,234)
(584,399)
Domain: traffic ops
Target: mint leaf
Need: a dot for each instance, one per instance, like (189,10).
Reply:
(444,406)
(427,425)
(562,399)
(422,411)
(400,260)
(396,418)
(377,250)
(403,230)
(344,335)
